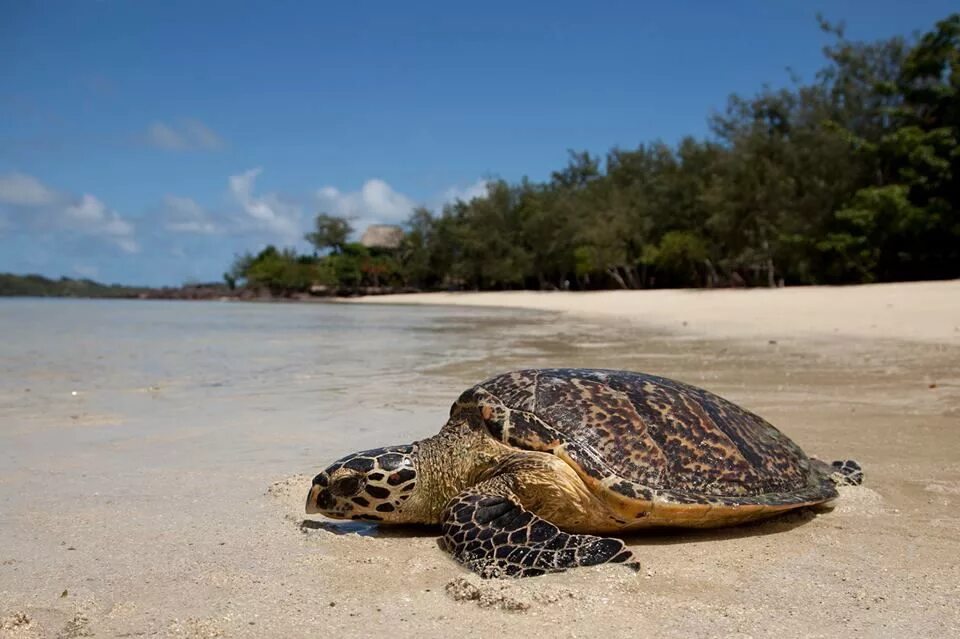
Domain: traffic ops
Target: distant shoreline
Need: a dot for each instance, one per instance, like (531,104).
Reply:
(917,311)
(926,311)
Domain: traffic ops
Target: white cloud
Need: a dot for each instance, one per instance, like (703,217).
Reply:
(286,220)
(269,212)
(36,207)
(185,135)
(24,190)
(467,193)
(165,137)
(184,237)
(378,203)
(184,215)
(375,203)
(92,216)
(203,136)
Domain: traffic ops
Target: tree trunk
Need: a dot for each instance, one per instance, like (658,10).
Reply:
(711,277)
(771,282)
(615,274)
(631,276)
(542,282)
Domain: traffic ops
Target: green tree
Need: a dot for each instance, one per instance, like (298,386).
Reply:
(330,232)
(853,176)
(905,223)
(415,250)
(682,259)
(281,273)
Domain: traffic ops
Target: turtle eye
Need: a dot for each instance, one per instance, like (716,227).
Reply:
(346,486)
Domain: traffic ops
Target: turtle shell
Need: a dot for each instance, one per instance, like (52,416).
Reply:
(642,440)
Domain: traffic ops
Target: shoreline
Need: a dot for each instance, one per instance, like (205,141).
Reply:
(927,311)
(911,311)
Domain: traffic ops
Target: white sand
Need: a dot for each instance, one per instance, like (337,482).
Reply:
(923,311)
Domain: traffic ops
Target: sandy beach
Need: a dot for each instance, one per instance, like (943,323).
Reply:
(923,311)
(154,459)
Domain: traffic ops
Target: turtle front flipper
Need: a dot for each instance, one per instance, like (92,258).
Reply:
(490,533)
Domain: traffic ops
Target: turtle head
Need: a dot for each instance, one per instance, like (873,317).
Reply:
(371,485)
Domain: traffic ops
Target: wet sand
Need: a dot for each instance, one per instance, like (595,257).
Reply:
(165,498)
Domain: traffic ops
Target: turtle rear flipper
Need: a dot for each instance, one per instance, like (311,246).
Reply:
(846,472)
(842,472)
(494,536)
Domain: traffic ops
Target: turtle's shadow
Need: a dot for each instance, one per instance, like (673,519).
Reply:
(364,529)
(652,537)
(777,524)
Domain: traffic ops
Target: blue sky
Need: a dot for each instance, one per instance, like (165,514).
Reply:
(149,142)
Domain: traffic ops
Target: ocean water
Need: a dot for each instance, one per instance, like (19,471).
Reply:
(88,385)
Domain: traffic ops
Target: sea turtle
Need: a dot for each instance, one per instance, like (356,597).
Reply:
(533,463)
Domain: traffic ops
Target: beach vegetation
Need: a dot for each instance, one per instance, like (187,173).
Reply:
(851,177)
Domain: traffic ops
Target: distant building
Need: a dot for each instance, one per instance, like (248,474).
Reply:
(382,236)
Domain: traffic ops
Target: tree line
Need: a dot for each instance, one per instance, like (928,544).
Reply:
(852,177)
(12,285)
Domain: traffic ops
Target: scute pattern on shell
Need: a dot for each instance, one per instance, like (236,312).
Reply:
(643,435)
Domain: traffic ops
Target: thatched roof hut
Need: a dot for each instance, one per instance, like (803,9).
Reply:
(382,236)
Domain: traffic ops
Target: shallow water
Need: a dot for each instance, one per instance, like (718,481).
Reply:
(255,382)
(172,384)
(138,441)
